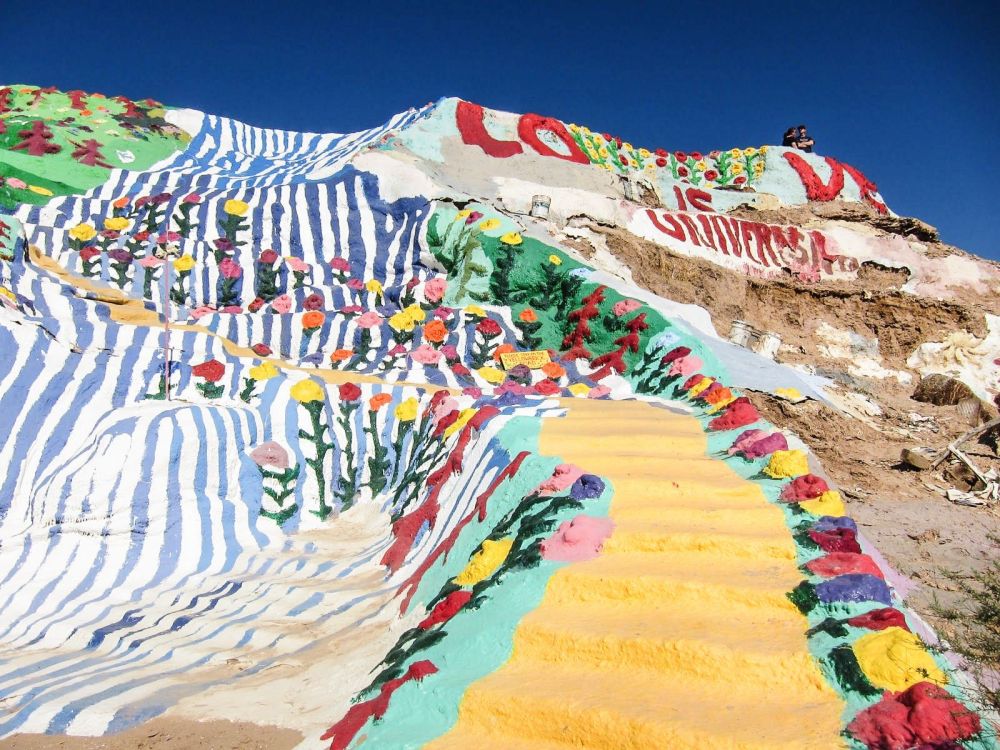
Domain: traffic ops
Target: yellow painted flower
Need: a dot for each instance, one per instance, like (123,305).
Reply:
(491,375)
(406,411)
(626,146)
(598,139)
(749,151)
(401,321)
(116,223)
(721,405)
(306,391)
(263,371)
(83,232)
(700,166)
(644,153)
(555,260)
(416,312)
(573,128)
(787,464)
(737,168)
(39,190)
(579,390)
(484,563)
(475,310)
(234,207)
(895,659)
(700,386)
(650,166)
(585,130)
(184,263)
(603,151)
(463,419)
(511,238)
(374,287)
(489,225)
(827,504)
(735,153)
(763,149)
(463,214)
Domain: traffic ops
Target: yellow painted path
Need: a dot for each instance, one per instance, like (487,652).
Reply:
(679,635)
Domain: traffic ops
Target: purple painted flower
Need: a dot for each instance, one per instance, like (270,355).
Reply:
(120,256)
(224,245)
(160,199)
(587,487)
(270,454)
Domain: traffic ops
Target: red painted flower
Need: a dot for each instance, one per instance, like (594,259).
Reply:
(682,171)
(212,371)
(313,302)
(660,152)
(140,236)
(340,264)
(661,162)
(680,156)
(696,155)
(90,252)
(740,180)
(623,160)
(461,370)
(547,387)
(261,350)
(489,328)
(711,175)
(268,257)
(349,392)
(255,305)
(473,217)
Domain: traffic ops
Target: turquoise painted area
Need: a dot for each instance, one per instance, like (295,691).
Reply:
(478,641)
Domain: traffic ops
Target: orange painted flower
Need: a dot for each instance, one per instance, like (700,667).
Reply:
(379,400)
(528,316)
(435,331)
(340,355)
(502,349)
(553,370)
(121,202)
(312,319)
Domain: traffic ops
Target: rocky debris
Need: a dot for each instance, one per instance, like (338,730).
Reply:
(856,213)
(942,390)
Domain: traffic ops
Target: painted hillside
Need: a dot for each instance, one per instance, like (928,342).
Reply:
(432,436)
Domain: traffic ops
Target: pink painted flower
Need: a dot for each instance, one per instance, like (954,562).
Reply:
(450,352)
(230,269)
(268,257)
(201,311)
(166,237)
(625,306)
(685,367)
(340,264)
(443,313)
(232,310)
(561,479)
(369,320)
(426,355)
(356,284)
(282,304)
(17,184)
(397,350)
(270,454)
(598,392)
(577,540)
(473,391)
(435,288)
(192,198)
(473,218)
(351,309)
(297,264)
(151,262)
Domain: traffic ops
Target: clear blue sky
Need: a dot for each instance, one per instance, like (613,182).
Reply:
(910,94)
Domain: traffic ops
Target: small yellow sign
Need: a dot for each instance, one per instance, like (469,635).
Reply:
(534,360)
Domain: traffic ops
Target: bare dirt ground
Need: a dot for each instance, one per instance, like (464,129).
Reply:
(168,734)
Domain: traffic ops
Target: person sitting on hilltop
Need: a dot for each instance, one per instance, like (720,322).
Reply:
(789,138)
(805,141)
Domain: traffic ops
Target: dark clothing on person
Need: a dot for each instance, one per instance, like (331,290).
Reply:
(789,139)
(805,141)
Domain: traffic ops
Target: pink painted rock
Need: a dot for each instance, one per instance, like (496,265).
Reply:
(806,487)
(577,540)
(562,478)
(766,446)
(843,563)
(745,439)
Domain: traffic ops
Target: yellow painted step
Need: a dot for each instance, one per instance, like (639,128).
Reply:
(612,709)
(680,578)
(680,644)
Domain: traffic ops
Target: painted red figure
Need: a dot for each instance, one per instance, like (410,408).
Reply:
(89,153)
(37,140)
